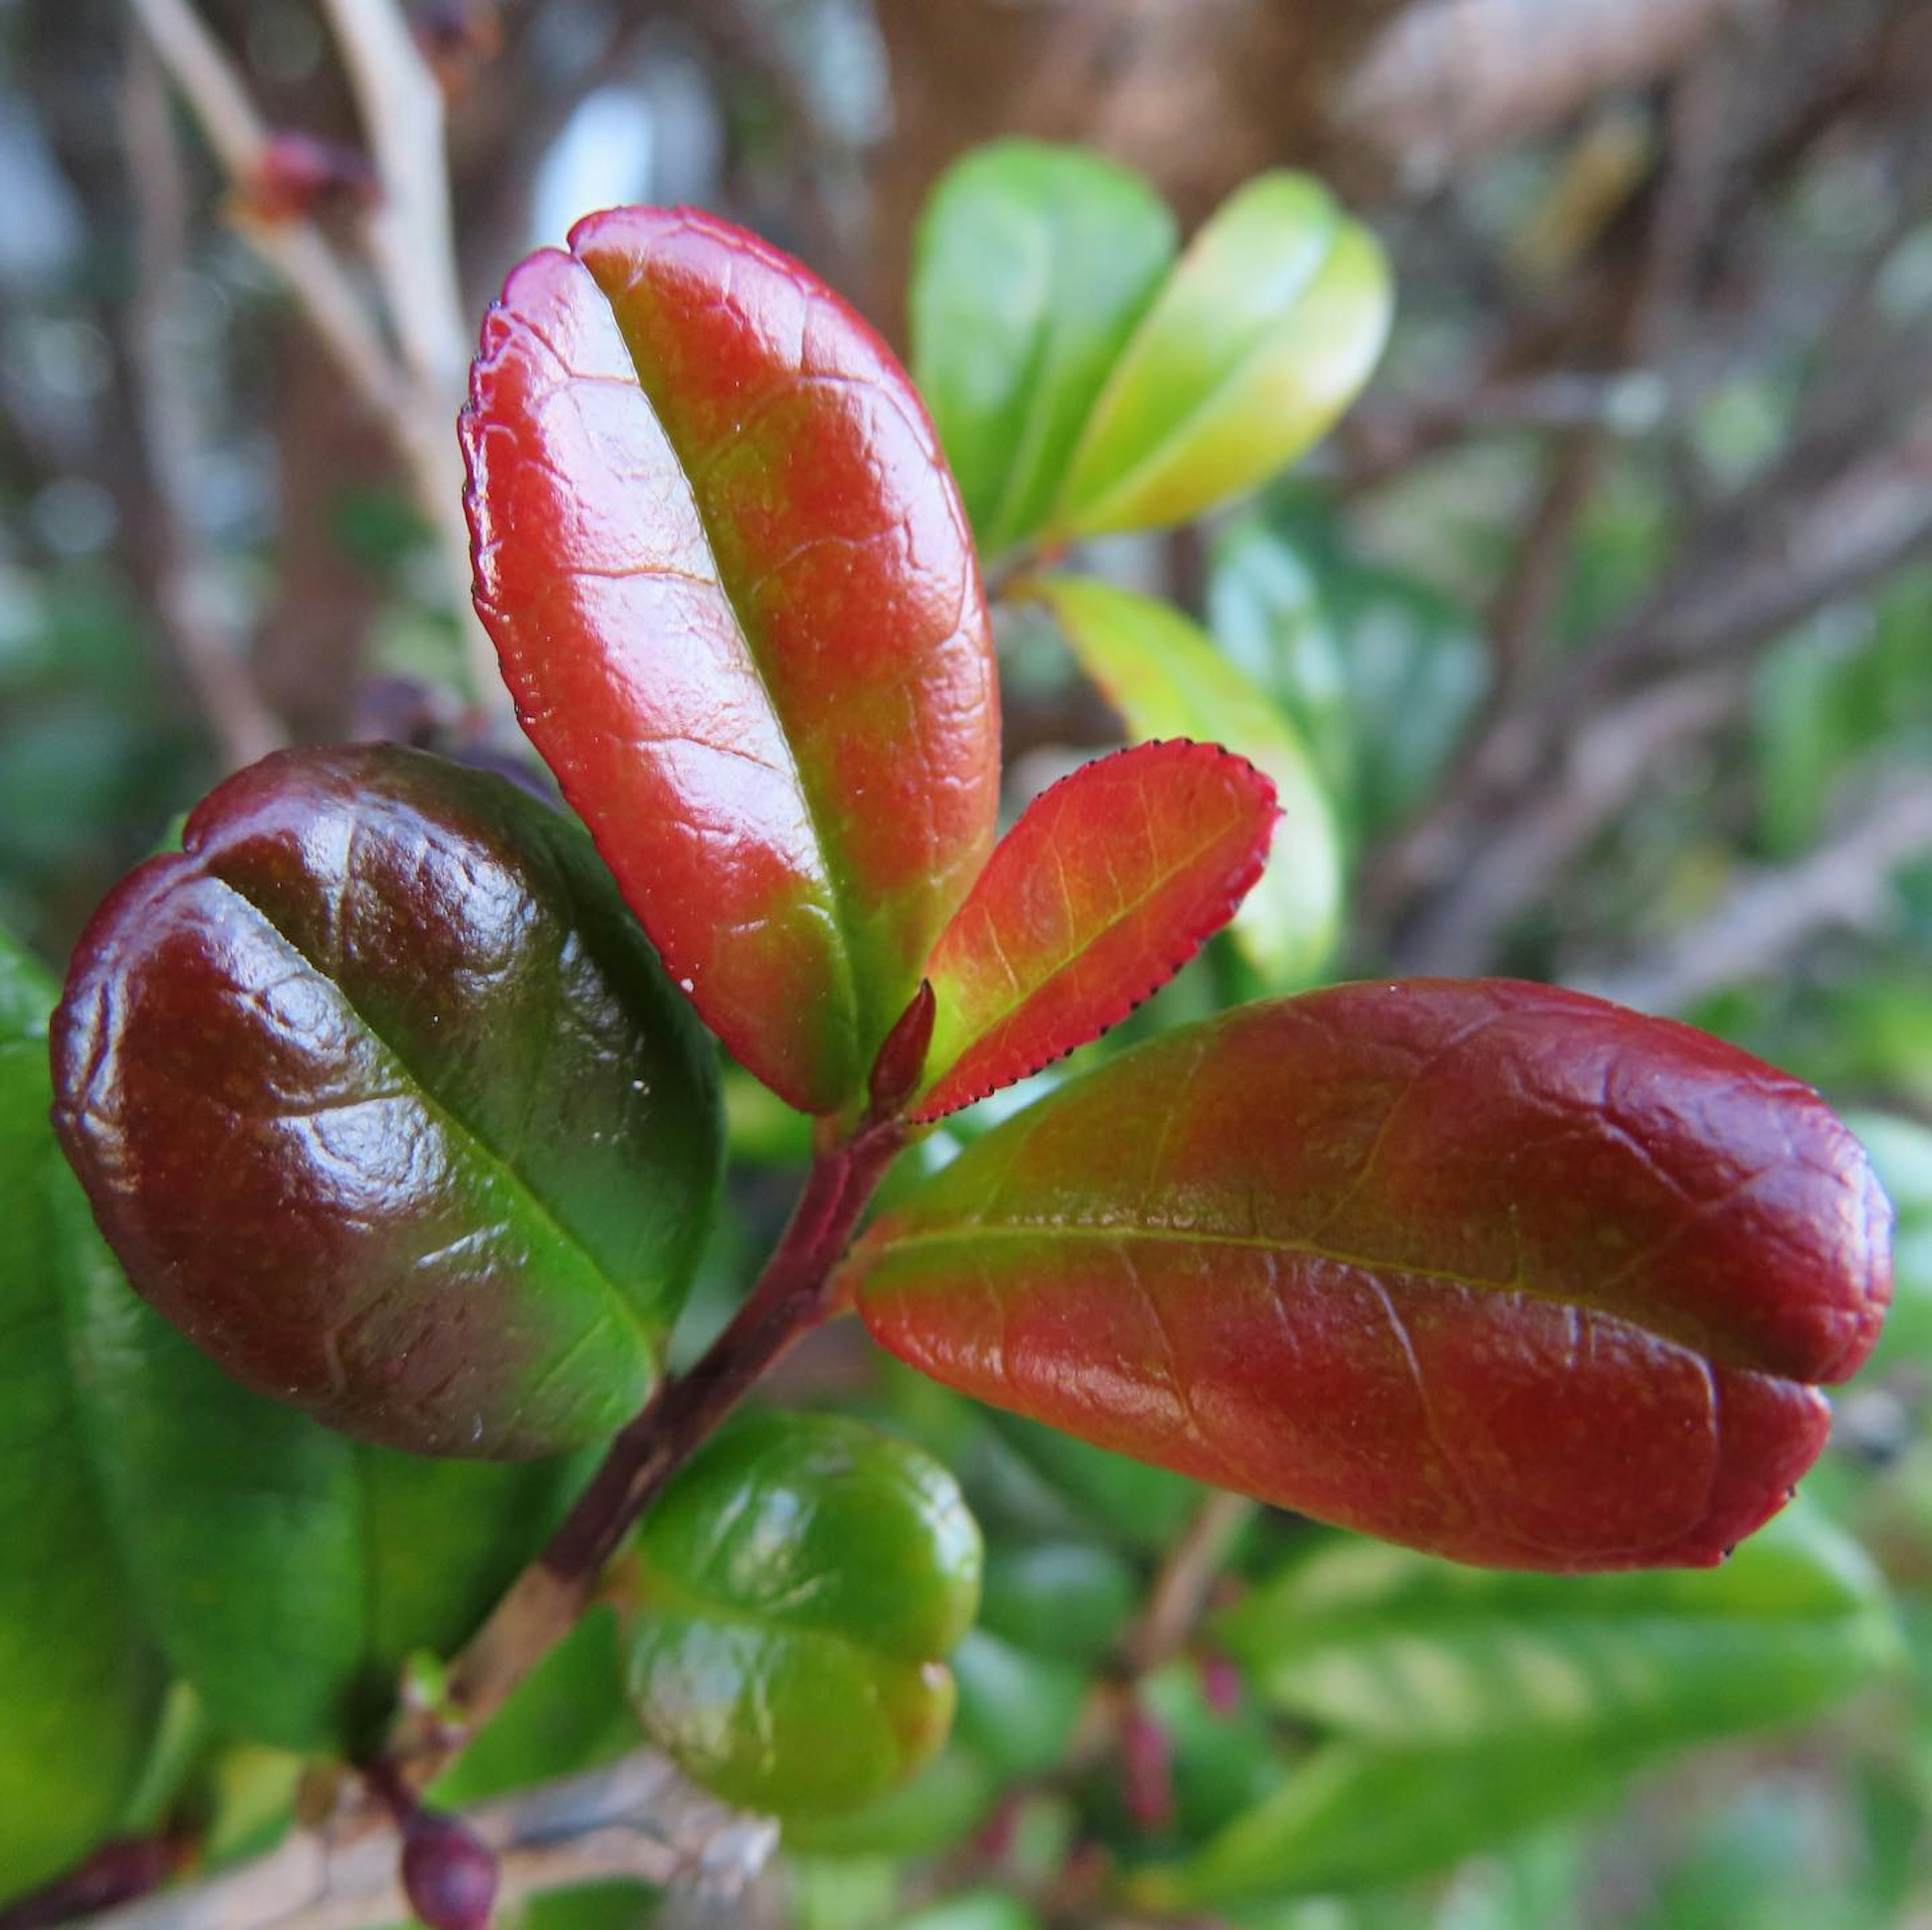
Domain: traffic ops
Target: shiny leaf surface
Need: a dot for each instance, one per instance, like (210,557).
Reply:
(736,600)
(1393,1648)
(381,1098)
(1495,1270)
(80,1685)
(1161,671)
(1031,266)
(285,1571)
(1262,335)
(1108,885)
(795,1590)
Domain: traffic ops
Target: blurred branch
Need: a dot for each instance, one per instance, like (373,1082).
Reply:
(1555,770)
(636,1819)
(412,240)
(1449,79)
(200,67)
(415,398)
(1180,1590)
(1846,883)
(212,654)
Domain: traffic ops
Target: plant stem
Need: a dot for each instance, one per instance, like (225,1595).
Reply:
(791,1297)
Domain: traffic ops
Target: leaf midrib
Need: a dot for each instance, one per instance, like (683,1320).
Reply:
(1711,1348)
(459,1127)
(825,848)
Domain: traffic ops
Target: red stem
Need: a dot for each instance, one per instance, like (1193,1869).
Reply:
(791,1297)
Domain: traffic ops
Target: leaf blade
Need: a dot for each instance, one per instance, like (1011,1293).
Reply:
(767,685)
(1268,326)
(460,1237)
(1031,266)
(1493,1270)
(1161,672)
(1149,852)
(81,1685)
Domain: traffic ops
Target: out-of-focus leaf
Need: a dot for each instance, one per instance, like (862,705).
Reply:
(1353,1815)
(1162,673)
(1141,1506)
(1071,1600)
(1492,1270)
(1394,1648)
(80,1686)
(1901,1155)
(567,1714)
(1031,266)
(1017,1710)
(975,1910)
(942,1805)
(381,1098)
(737,602)
(796,1589)
(1111,881)
(1380,675)
(1262,335)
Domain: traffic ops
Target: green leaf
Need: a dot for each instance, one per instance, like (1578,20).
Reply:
(1031,267)
(1162,673)
(1261,336)
(1016,1710)
(285,1570)
(1381,675)
(1392,1648)
(944,1803)
(1901,1155)
(1353,1815)
(796,1590)
(974,1909)
(1141,1506)
(80,1686)
(1067,1599)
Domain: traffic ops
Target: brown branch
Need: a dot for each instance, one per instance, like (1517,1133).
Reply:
(414,397)
(412,241)
(210,653)
(1846,883)
(1179,1593)
(637,1819)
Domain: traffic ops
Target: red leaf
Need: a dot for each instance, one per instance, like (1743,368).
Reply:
(735,598)
(1501,1272)
(1108,885)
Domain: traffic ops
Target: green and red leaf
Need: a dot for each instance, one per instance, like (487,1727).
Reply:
(1501,1271)
(380,1097)
(1163,673)
(1108,885)
(737,601)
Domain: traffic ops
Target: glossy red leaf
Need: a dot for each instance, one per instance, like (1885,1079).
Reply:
(1108,885)
(1501,1271)
(380,1097)
(736,600)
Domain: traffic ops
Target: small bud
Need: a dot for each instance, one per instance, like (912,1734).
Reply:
(902,1059)
(1220,1684)
(455,37)
(449,1874)
(300,177)
(1147,1758)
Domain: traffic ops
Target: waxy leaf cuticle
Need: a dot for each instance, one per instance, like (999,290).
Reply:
(1108,884)
(380,1097)
(737,602)
(1501,1271)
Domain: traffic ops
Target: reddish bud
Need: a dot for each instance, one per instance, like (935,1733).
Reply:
(449,1873)
(1220,1684)
(455,37)
(1146,1761)
(902,1059)
(300,177)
